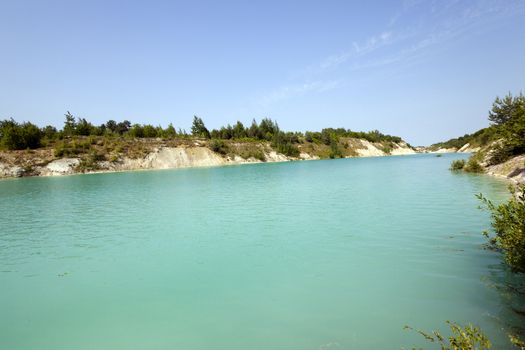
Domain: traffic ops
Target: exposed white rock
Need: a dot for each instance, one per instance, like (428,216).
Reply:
(62,166)
(276,157)
(467,148)
(10,171)
(402,148)
(368,149)
(445,150)
(182,157)
(464,148)
(306,156)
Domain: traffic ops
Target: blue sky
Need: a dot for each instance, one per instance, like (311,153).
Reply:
(423,70)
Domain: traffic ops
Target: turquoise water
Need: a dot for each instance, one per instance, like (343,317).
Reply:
(336,254)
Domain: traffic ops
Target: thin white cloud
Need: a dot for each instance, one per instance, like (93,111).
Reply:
(371,44)
(425,25)
(289,91)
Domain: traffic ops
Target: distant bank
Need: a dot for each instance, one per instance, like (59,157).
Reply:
(100,154)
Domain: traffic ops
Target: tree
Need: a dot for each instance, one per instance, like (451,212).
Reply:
(69,124)
(136,131)
(254,131)
(238,130)
(16,136)
(83,127)
(170,131)
(111,125)
(508,116)
(31,135)
(150,131)
(10,135)
(503,109)
(268,128)
(199,129)
(123,127)
(49,132)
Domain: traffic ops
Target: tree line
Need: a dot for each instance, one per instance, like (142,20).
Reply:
(17,136)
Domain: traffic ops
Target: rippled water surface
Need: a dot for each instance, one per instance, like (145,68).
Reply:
(334,254)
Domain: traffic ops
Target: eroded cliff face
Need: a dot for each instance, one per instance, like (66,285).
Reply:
(368,149)
(198,155)
(513,169)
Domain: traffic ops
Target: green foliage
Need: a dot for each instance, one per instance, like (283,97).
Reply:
(508,114)
(170,132)
(335,151)
(150,131)
(90,162)
(517,342)
(479,138)
(504,110)
(199,129)
(14,136)
(238,131)
(500,153)
(49,132)
(137,131)
(267,130)
(69,124)
(72,148)
(314,137)
(508,222)
(457,164)
(218,146)
(252,152)
(466,337)
(372,136)
(388,147)
(83,127)
(473,166)
(283,142)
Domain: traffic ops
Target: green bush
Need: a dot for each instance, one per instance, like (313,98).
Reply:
(508,222)
(500,154)
(257,154)
(218,146)
(466,337)
(283,142)
(473,166)
(14,136)
(90,163)
(335,151)
(457,164)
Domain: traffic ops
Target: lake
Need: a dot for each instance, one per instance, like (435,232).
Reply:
(335,254)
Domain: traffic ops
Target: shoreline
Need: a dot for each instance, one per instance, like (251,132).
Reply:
(226,164)
(153,154)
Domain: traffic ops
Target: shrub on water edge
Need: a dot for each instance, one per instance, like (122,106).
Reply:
(466,337)
(457,164)
(508,222)
(473,166)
